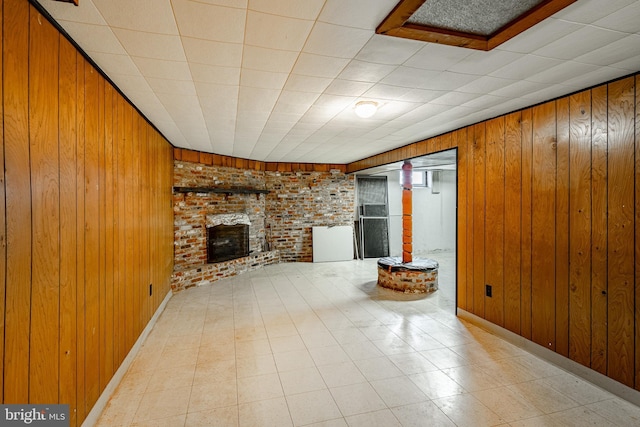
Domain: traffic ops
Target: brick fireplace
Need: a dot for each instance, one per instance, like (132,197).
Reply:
(281,207)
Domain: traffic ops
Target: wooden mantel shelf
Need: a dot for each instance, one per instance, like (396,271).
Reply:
(240,190)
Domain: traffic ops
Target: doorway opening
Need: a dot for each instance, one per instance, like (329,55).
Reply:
(434,215)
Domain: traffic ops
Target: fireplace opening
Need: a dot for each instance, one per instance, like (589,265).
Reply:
(227,242)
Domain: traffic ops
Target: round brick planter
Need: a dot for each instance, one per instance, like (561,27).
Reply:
(418,276)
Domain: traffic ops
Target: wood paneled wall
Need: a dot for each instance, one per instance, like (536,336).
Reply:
(236,162)
(549,216)
(85,219)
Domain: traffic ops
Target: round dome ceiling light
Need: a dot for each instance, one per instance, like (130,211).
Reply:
(365,109)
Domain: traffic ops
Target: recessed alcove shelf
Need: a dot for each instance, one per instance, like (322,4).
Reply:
(239,190)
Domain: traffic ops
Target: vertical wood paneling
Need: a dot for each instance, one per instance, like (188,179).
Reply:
(527,191)
(60,204)
(135,222)
(562,227)
(459,140)
(543,225)
(92,238)
(18,200)
(478,218)
(45,207)
(80,264)
(494,220)
(122,223)
(470,218)
(599,229)
(102,257)
(129,188)
(145,279)
(580,228)
(637,236)
(107,338)
(68,218)
(620,266)
(3,230)
(512,220)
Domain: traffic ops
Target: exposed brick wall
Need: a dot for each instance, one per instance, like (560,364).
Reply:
(281,221)
(300,200)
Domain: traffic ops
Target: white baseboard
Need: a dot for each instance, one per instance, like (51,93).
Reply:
(101,403)
(587,374)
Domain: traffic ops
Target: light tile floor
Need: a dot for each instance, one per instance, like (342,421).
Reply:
(307,344)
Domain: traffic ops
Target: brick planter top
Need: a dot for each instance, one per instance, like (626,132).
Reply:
(418,264)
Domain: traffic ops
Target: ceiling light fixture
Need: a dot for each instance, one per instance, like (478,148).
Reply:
(365,109)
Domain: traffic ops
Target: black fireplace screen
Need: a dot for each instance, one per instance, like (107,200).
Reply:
(225,242)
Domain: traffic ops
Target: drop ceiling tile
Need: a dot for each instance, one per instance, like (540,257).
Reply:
(212,52)
(421,95)
(562,72)
(298,109)
(298,83)
(455,98)
(284,118)
(276,32)
(579,42)
(334,40)
(588,11)
(485,84)
(524,67)
(186,103)
(383,91)
(602,74)
(319,66)
(437,57)
(630,64)
(259,58)
(93,38)
(366,71)
(297,98)
(212,74)
(540,35)
(486,101)
(613,52)
(388,50)
(393,109)
(518,89)
(152,16)
(117,64)
(251,119)
(256,99)
(216,91)
(163,69)
(149,45)
(446,80)
(409,77)
(263,79)
(334,102)
(210,22)
(177,87)
(239,4)
(347,87)
(308,9)
(356,13)
(85,12)
(547,93)
(481,63)
(626,19)
(127,82)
